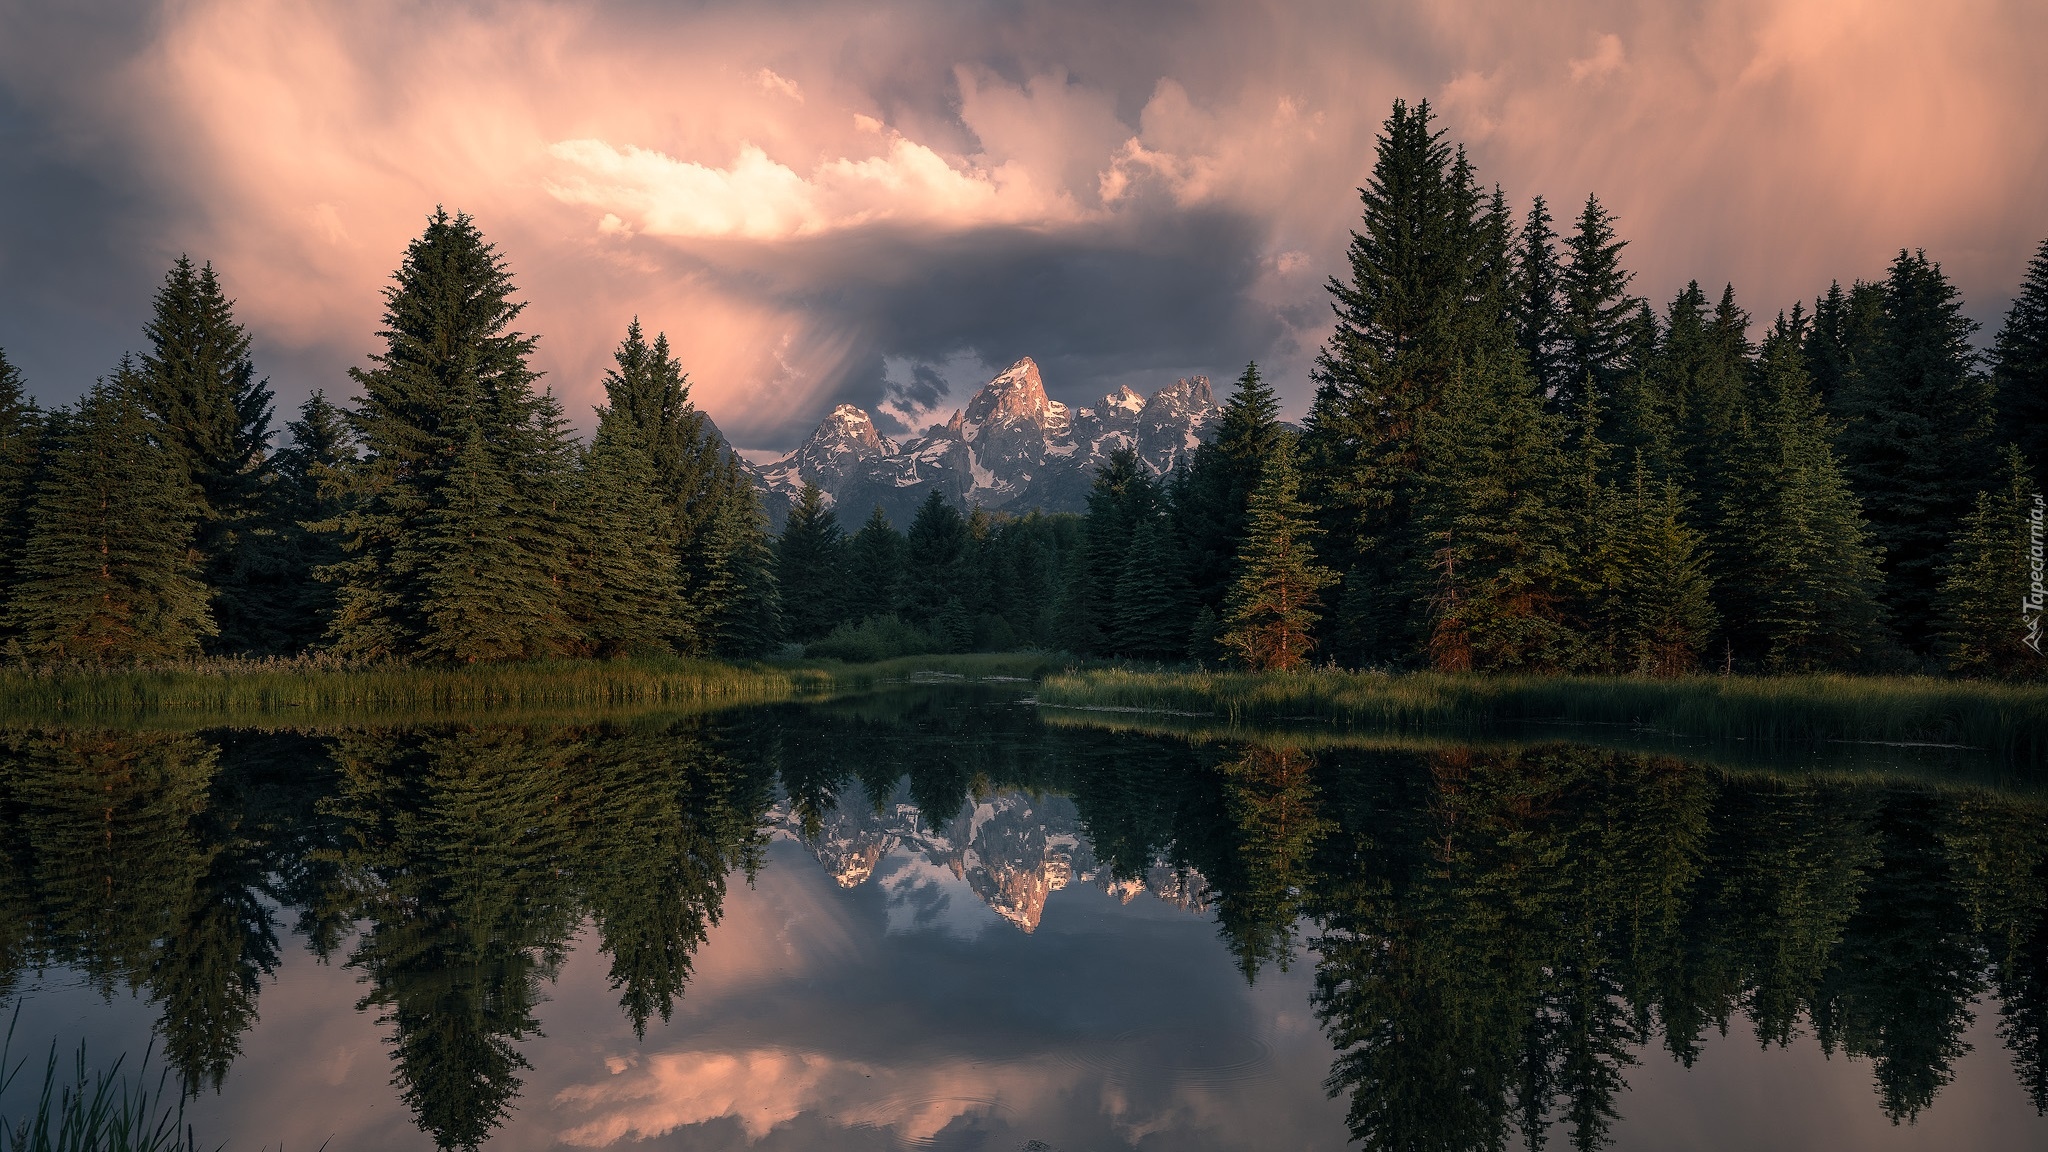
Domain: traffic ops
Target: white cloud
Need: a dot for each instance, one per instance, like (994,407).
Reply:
(757,198)
(1607,58)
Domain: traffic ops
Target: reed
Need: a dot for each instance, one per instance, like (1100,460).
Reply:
(2010,720)
(255,688)
(91,1110)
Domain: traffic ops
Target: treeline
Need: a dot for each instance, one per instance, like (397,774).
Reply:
(448,516)
(1512,463)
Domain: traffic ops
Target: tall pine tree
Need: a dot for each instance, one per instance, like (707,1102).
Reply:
(810,559)
(1917,443)
(1598,311)
(21,443)
(2019,361)
(312,474)
(109,575)
(197,379)
(1275,603)
(620,587)
(1539,304)
(874,568)
(1154,609)
(1208,499)
(455,444)
(1986,577)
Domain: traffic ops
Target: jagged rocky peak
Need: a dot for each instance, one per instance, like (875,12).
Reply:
(849,425)
(1015,396)
(1187,394)
(1124,399)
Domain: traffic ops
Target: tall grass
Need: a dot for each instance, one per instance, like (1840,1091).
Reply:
(94,1110)
(2008,719)
(230,688)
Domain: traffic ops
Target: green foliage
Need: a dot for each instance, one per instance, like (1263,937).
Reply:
(108,575)
(1275,602)
(874,638)
(936,554)
(620,586)
(1653,615)
(199,384)
(1152,596)
(1988,578)
(449,404)
(21,446)
(1539,303)
(1599,333)
(1208,498)
(1801,578)
(312,479)
(874,566)
(2019,372)
(1916,445)
(811,567)
(736,609)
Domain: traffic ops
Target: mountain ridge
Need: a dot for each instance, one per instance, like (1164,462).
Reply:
(1011,448)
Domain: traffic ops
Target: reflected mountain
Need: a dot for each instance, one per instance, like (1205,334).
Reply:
(1496,938)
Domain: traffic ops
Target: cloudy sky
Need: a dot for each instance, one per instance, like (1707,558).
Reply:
(885,202)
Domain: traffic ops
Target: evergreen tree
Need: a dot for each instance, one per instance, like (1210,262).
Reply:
(648,388)
(1655,616)
(1986,574)
(1123,497)
(450,401)
(1917,441)
(2019,361)
(1539,304)
(1598,310)
(1152,597)
(620,587)
(21,443)
(739,604)
(1801,577)
(198,381)
(1209,497)
(874,568)
(810,560)
(936,552)
(1843,338)
(1495,566)
(1425,298)
(312,475)
(1273,606)
(108,575)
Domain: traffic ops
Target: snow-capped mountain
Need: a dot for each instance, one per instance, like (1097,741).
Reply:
(1012,850)
(1012,448)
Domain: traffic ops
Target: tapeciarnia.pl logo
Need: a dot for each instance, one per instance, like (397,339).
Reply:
(2030,607)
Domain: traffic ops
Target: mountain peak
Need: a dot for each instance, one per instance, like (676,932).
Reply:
(1017,394)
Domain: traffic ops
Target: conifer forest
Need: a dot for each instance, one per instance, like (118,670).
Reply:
(1511,463)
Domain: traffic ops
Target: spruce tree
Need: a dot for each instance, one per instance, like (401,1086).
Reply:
(197,379)
(1598,310)
(1208,499)
(1842,339)
(312,475)
(874,568)
(737,606)
(810,566)
(21,443)
(1494,562)
(1274,605)
(1654,613)
(1425,298)
(1123,497)
(1917,442)
(935,557)
(1539,304)
(620,586)
(2019,361)
(1799,583)
(451,398)
(108,575)
(1152,597)
(1983,627)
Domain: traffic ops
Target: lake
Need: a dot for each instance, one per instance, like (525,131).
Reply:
(944,917)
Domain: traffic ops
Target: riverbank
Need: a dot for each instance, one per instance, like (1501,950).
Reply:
(2010,720)
(286,690)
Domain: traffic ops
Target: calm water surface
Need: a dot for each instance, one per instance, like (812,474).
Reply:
(942,918)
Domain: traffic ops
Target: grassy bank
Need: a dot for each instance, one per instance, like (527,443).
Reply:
(293,692)
(2011,720)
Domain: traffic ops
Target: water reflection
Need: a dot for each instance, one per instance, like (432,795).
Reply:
(1495,936)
